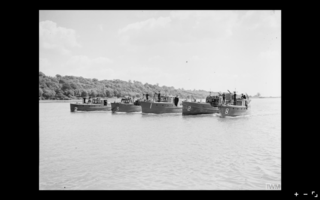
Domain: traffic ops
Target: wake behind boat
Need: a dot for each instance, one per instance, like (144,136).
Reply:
(161,104)
(94,104)
(126,105)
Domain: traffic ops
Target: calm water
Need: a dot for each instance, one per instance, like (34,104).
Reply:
(105,151)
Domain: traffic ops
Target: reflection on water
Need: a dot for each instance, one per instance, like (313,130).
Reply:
(120,151)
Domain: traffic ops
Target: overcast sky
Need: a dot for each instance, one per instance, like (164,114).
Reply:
(210,50)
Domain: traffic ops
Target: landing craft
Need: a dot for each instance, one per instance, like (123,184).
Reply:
(94,104)
(235,105)
(196,108)
(127,104)
(166,104)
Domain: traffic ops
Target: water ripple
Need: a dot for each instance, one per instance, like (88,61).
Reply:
(105,151)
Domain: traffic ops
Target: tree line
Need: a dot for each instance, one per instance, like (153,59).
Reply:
(72,87)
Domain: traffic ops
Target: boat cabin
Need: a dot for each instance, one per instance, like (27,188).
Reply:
(239,100)
(96,100)
(213,100)
(164,98)
(126,99)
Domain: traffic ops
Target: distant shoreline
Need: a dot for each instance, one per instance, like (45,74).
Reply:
(71,100)
(263,97)
(49,101)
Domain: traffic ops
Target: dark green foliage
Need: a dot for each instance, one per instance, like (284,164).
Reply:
(61,81)
(93,93)
(109,92)
(73,86)
(48,93)
(84,94)
(66,87)
(69,93)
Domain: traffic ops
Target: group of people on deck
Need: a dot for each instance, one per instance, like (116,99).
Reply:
(127,100)
(175,100)
(146,96)
(95,100)
(213,100)
(234,98)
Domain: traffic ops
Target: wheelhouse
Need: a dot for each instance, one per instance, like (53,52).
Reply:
(163,98)
(126,99)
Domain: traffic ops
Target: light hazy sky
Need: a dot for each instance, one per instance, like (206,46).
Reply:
(209,50)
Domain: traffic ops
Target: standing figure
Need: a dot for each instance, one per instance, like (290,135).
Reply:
(223,98)
(176,100)
(159,96)
(235,98)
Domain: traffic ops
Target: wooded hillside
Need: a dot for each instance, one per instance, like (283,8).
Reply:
(72,87)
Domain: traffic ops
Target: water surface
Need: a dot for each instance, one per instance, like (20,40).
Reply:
(125,151)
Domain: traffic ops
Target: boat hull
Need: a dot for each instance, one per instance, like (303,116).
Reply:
(89,107)
(159,107)
(233,110)
(121,107)
(193,108)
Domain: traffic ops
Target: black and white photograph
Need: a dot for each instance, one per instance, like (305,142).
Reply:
(160,100)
